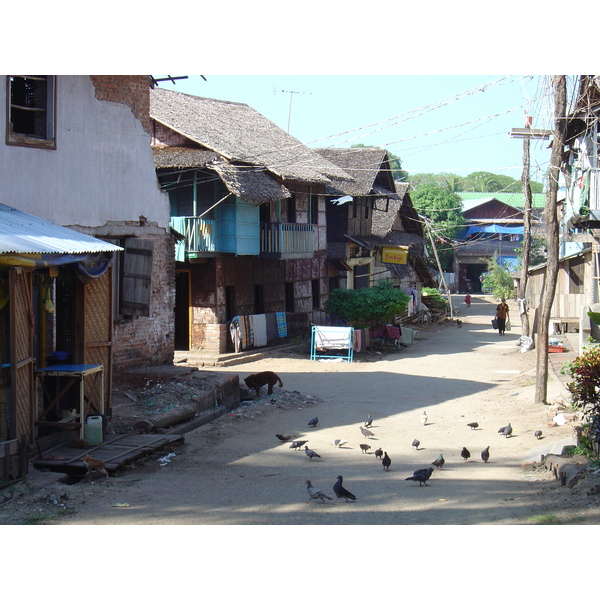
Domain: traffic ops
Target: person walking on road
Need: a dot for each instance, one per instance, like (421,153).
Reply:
(468,300)
(502,315)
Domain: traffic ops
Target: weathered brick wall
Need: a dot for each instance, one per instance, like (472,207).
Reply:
(150,341)
(132,90)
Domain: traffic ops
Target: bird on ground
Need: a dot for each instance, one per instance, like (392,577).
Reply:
(501,430)
(538,434)
(341,491)
(315,494)
(311,453)
(386,461)
(298,444)
(416,443)
(485,454)
(369,421)
(284,438)
(424,418)
(421,475)
(473,425)
(465,454)
(313,422)
(365,447)
(439,462)
(366,432)
(379,453)
(507,430)
(339,443)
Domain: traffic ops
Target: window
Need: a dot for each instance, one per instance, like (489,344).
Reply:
(313,208)
(361,277)
(289,297)
(259,299)
(30,111)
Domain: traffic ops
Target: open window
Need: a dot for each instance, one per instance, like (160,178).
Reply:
(31,111)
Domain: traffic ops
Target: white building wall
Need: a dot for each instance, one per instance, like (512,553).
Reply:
(93,176)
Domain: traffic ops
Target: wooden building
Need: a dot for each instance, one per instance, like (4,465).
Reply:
(248,201)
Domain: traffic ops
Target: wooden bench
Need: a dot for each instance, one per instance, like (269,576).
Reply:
(561,325)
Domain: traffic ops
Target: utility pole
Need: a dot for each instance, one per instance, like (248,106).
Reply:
(551,218)
(526,134)
(437,260)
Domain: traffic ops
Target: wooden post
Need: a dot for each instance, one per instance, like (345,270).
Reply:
(551,218)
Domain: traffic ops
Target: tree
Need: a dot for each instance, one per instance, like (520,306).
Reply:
(444,209)
(498,279)
(360,308)
(551,218)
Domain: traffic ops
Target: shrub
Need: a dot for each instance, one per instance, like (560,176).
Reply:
(373,305)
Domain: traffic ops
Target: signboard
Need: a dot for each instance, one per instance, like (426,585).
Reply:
(396,255)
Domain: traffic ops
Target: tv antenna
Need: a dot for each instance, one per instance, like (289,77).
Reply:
(291,93)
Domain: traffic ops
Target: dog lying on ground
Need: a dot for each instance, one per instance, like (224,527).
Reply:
(256,381)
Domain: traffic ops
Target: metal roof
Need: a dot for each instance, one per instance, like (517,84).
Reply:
(23,233)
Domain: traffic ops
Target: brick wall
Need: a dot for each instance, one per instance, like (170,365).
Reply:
(132,90)
(150,341)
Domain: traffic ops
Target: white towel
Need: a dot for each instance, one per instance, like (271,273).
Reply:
(259,325)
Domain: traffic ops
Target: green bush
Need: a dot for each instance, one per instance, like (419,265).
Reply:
(368,306)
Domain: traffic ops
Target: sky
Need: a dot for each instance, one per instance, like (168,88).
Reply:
(435,123)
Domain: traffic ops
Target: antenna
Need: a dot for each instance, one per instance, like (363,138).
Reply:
(290,92)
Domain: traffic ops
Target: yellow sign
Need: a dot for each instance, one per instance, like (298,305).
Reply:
(396,255)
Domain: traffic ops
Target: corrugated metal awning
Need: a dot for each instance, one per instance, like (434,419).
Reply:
(22,233)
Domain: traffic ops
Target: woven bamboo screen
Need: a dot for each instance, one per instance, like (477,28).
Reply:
(98,333)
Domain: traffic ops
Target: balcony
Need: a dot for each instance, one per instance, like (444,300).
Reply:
(286,240)
(199,236)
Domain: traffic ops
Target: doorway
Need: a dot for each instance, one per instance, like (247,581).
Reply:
(182,310)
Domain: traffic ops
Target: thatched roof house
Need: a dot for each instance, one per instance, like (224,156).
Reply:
(241,136)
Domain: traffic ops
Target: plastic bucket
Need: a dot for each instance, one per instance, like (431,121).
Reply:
(93,431)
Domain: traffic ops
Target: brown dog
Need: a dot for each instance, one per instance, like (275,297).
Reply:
(256,381)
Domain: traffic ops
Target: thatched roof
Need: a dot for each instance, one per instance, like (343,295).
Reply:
(250,185)
(167,157)
(363,164)
(239,133)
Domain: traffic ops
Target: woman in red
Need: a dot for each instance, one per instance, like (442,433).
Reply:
(502,315)
(468,300)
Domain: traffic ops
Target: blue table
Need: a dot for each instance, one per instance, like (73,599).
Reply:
(77,373)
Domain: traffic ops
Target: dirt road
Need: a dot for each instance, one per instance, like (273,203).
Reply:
(235,471)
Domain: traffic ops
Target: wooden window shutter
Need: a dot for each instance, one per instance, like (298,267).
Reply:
(137,277)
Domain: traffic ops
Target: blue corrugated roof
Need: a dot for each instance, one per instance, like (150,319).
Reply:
(23,233)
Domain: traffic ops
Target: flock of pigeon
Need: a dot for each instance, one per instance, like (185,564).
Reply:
(420,475)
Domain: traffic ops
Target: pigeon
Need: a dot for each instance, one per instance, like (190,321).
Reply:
(473,425)
(501,430)
(507,430)
(424,418)
(284,438)
(298,444)
(421,475)
(416,443)
(315,494)
(339,443)
(465,454)
(365,447)
(386,461)
(311,453)
(313,422)
(379,453)
(341,491)
(369,421)
(538,434)
(485,454)
(439,462)
(366,432)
